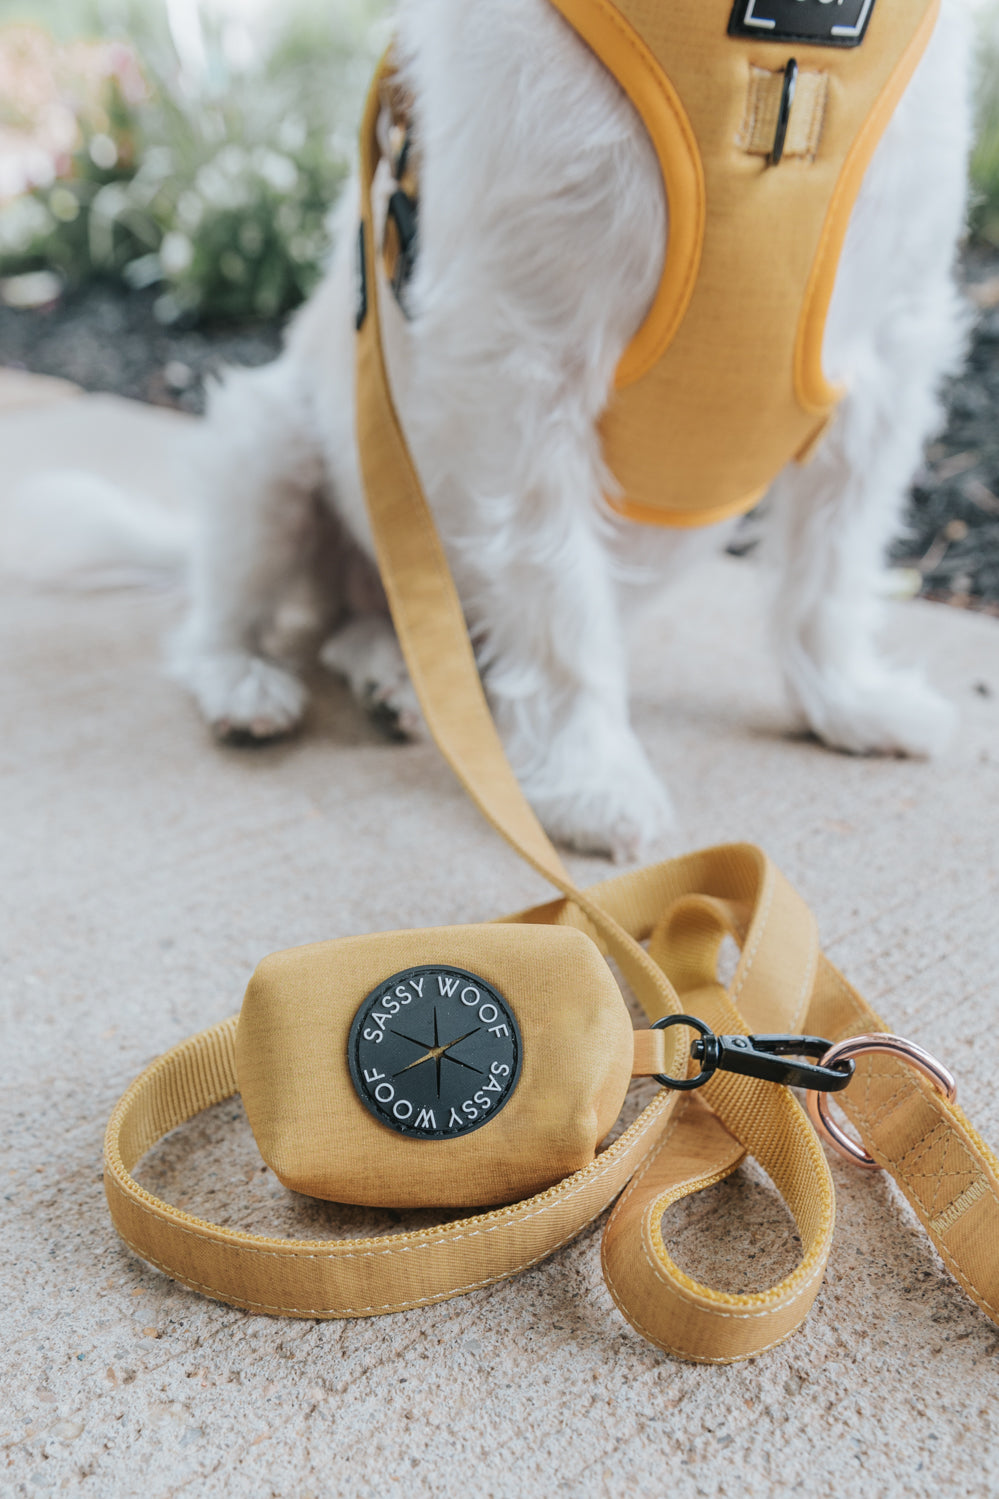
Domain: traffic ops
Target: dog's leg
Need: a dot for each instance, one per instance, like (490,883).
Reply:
(549,644)
(540,597)
(363,649)
(366,654)
(895,329)
(836,518)
(529,549)
(556,675)
(258,470)
(512,469)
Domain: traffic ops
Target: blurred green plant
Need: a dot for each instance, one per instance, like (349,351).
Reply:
(985,157)
(199,153)
(206,155)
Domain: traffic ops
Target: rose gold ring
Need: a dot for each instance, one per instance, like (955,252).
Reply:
(858,1046)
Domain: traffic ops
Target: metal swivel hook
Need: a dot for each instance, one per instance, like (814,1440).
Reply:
(757,1056)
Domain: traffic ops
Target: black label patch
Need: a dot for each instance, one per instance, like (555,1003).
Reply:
(434,1052)
(817,23)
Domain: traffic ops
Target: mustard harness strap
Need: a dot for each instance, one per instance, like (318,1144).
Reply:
(723,384)
(682,908)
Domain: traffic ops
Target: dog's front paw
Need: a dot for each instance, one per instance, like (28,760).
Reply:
(366,654)
(242,696)
(894,713)
(622,812)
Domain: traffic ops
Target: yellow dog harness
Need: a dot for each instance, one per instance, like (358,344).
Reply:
(662,925)
(764,120)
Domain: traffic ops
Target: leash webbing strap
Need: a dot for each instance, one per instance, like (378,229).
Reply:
(677,1146)
(337,1277)
(682,909)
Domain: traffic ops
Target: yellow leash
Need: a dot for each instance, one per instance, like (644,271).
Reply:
(677,1146)
(682,909)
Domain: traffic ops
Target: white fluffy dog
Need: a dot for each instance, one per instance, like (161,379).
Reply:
(542,229)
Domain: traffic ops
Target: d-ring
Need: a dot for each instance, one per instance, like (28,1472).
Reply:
(858,1046)
(683,1084)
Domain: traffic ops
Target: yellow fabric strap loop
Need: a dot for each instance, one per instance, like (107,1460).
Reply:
(941,1163)
(333,1277)
(740,894)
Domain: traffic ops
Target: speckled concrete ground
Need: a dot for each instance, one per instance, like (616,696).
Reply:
(145,871)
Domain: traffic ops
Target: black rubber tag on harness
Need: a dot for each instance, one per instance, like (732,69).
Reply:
(817,23)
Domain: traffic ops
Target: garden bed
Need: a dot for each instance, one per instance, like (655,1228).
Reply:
(953,536)
(107,339)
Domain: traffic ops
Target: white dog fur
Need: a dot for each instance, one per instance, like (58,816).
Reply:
(542,229)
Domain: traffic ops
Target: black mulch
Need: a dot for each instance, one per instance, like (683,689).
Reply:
(954,516)
(105,339)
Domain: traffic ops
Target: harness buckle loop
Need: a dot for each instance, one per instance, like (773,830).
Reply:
(784,112)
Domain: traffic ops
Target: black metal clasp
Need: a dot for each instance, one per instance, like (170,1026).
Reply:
(756,1056)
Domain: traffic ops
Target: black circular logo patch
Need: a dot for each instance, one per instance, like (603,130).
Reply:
(434,1052)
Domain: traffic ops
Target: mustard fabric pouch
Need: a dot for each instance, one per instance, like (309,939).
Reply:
(451,1067)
